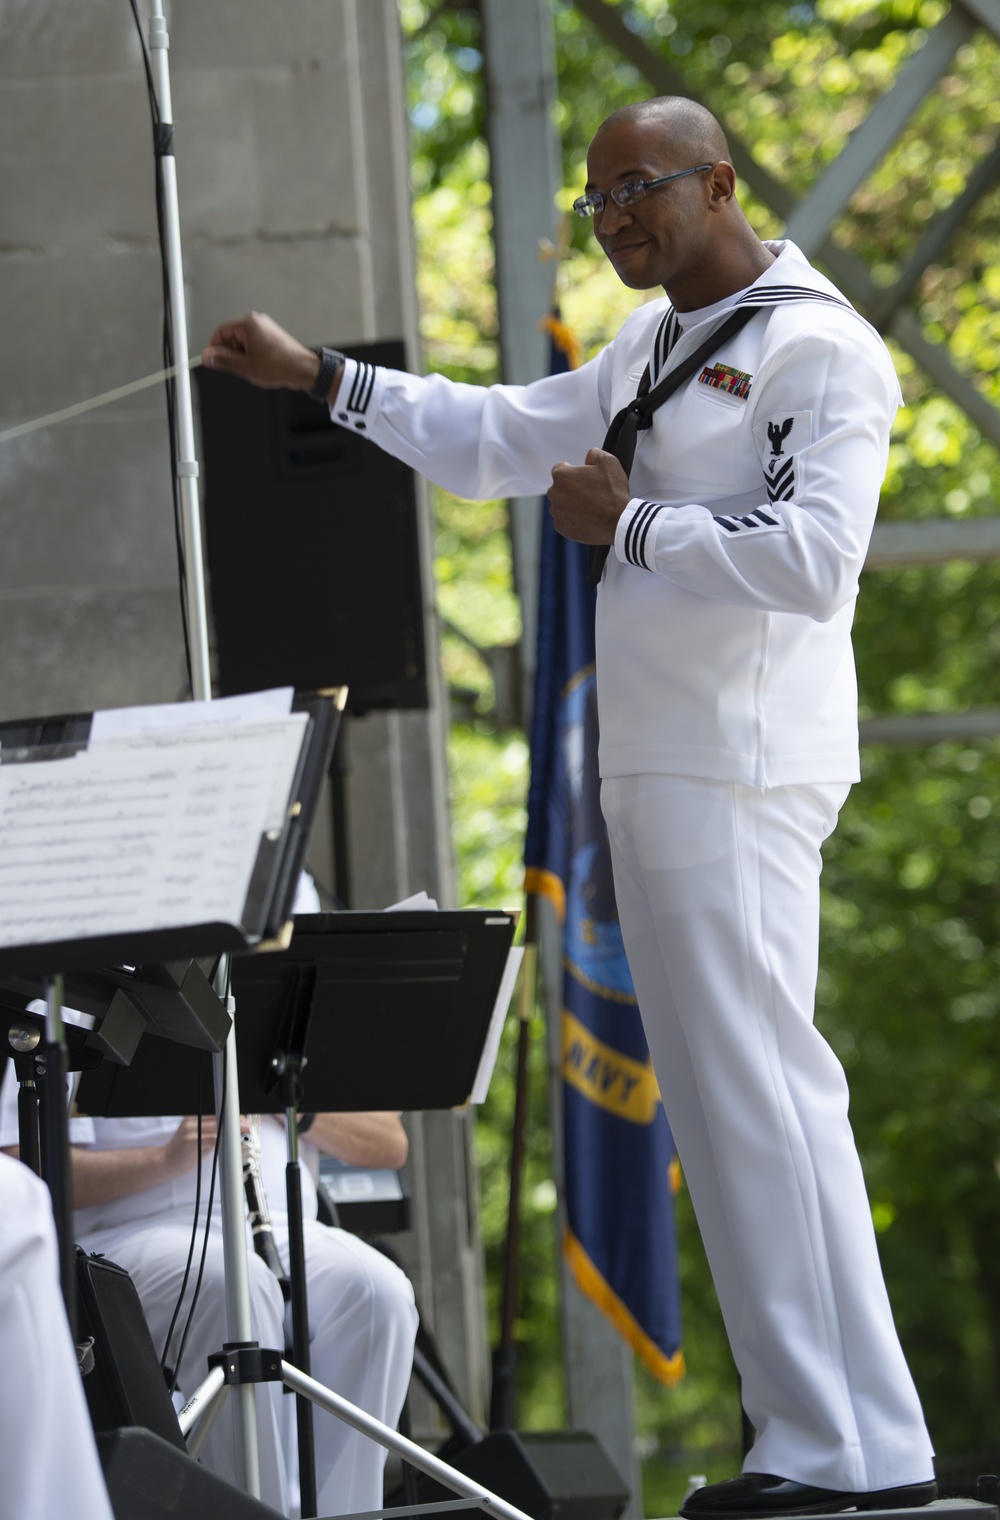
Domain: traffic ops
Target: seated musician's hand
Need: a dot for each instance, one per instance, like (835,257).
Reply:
(587,500)
(257,349)
(181,1153)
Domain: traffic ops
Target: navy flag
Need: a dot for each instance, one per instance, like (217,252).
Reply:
(619,1154)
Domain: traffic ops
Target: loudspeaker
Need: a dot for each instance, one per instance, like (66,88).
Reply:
(126,1385)
(147,1478)
(312,547)
(551,1475)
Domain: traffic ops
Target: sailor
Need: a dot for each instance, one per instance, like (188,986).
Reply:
(730,533)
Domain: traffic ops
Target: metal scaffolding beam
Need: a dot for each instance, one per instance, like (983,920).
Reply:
(851,274)
(810,222)
(913,730)
(933,541)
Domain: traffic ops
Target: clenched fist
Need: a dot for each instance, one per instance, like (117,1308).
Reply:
(587,500)
(257,349)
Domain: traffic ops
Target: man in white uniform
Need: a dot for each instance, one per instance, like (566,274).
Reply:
(727,702)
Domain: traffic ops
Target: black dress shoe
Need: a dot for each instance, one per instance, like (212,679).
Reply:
(754,1495)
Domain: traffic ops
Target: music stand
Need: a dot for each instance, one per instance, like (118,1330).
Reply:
(103,828)
(362,1011)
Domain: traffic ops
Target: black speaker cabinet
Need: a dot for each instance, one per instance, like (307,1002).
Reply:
(551,1475)
(148,1479)
(312,548)
(126,1386)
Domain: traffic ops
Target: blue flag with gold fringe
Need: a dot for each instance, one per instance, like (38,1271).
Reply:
(619,1156)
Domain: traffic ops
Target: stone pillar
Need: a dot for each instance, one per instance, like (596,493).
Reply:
(294,199)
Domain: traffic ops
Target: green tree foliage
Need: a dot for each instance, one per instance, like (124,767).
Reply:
(910,988)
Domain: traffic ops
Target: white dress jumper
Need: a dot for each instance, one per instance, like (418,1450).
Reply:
(728,714)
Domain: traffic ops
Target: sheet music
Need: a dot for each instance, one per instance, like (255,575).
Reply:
(125,722)
(417,903)
(144,831)
(240,737)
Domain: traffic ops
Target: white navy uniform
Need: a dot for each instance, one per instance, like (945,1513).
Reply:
(48,1460)
(728,713)
(362,1317)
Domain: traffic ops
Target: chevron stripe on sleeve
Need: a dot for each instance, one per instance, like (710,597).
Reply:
(779,476)
(757,521)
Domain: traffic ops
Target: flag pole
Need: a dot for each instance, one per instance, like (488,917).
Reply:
(504,1385)
(503,1391)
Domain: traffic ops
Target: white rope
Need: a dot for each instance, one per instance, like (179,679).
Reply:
(95,401)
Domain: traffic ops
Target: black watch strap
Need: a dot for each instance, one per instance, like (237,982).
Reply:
(330,360)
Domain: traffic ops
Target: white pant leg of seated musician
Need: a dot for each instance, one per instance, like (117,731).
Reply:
(48,1460)
(136,1185)
(134,1188)
(362,1318)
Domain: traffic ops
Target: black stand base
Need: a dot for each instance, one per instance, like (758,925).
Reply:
(148,1478)
(549,1474)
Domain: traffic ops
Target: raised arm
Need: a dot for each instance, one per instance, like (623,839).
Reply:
(482,442)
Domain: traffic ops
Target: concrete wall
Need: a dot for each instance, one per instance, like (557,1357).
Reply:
(292,172)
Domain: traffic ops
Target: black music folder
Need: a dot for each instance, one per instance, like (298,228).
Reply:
(384,1010)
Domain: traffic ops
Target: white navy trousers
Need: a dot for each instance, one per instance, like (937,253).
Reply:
(718,896)
(362,1325)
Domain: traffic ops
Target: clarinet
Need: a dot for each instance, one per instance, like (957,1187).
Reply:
(257,1209)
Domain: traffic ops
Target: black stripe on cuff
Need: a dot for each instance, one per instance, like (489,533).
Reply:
(637,532)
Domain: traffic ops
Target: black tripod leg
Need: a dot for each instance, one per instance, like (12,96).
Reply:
(300,1332)
(55,1163)
(27,1127)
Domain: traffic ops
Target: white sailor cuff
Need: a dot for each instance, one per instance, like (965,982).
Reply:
(359,395)
(635,535)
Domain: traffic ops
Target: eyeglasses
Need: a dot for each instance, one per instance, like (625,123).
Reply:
(594,202)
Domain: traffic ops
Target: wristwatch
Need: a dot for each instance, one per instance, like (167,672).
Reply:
(330,359)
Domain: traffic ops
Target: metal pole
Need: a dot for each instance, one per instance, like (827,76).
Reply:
(187,465)
(503,1396)
(393,1441)
(308,1499)
(55,1140)
(226,1080)
(234,1244)
(519,56)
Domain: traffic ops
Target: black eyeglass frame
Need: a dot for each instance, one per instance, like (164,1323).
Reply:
(594,202)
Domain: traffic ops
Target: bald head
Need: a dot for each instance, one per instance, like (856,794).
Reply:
(688,233)
(689,129)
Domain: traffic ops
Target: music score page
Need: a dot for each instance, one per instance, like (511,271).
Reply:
(155,828)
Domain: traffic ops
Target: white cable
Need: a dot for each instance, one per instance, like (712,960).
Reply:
(95,401)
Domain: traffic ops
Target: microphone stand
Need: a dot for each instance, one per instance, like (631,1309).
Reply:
(234,1241)
(242,1354)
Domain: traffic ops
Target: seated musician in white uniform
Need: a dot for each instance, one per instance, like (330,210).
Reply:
(134,1185)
